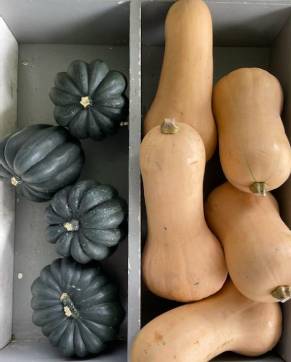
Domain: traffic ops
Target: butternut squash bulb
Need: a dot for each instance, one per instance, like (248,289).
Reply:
(200,331)
(185,87)
(254,150)
(182,259)
(257,243)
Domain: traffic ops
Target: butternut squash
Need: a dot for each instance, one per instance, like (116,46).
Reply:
(185,87)
(257,243)
(182,259)
(200,331)
(254,149)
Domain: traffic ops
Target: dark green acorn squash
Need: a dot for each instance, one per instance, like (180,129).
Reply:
(39,160)
(84,221)
(89,99)
(76,306)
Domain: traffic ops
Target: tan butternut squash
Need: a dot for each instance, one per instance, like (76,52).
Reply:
(254,149)
(182,259)
(257,243)
(185,87)
(200,331)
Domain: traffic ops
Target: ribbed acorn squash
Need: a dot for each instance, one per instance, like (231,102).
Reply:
(84,221)
(77,307)
(89,99)
(39,160)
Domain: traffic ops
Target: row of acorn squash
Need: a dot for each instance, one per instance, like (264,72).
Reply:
(187,258)
(74,302)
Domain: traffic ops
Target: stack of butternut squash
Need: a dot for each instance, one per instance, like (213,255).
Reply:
(186,258)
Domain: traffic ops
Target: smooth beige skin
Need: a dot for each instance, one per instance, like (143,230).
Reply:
(253,145)
(182,259)
(200,331)
(185,86)
(257,244)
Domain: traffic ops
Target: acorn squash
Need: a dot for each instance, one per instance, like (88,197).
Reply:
(77,307)
(84,221)
(89,99)
(39,160)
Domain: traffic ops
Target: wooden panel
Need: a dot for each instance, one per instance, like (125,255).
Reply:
(8,114)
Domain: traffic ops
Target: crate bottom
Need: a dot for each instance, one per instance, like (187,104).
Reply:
(42,351)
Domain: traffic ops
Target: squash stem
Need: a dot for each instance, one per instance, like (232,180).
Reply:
(86,101)
(169,126)
(282,293)
(69,308)
(15,181)
(259,188)
(73,225)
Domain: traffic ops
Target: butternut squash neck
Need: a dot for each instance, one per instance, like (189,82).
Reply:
(200,331)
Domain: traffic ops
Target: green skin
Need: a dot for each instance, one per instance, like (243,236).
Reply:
(85,221)
(90,99)
(39,160)
(77,307)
